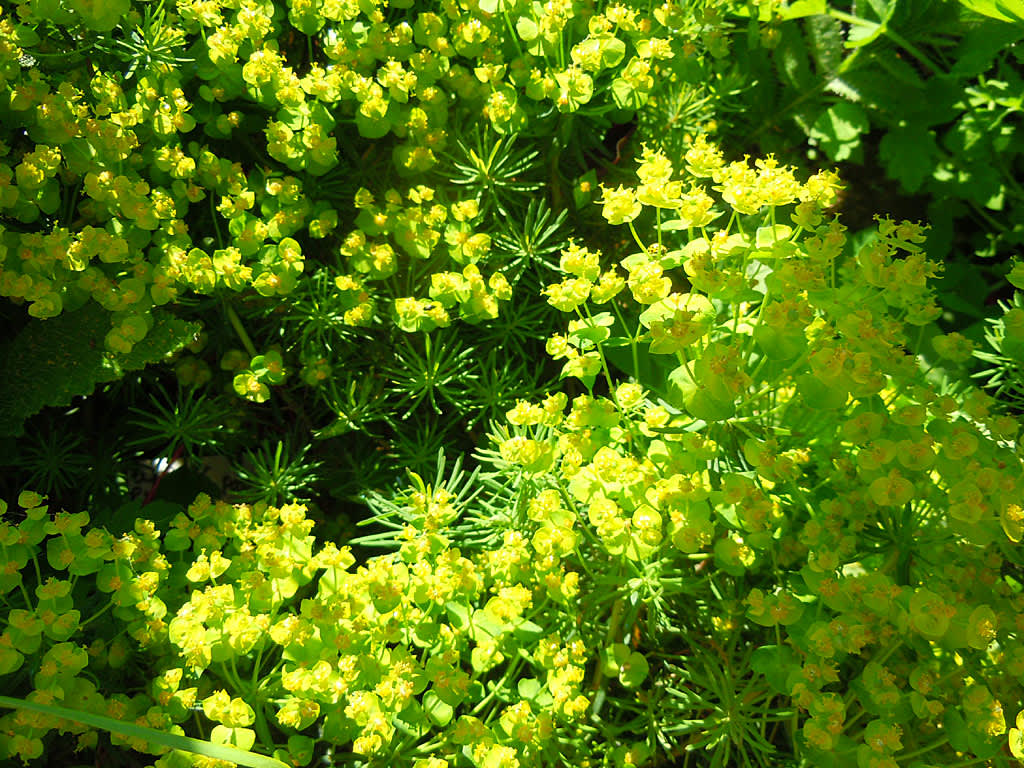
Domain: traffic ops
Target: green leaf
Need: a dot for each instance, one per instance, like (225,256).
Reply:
(612,52)
(1011,9)
(486,626)
(802,8)
(625,95)
(634,670)
(52,361)
(793,59)
(1017,743)
(778,345)
(825,43)
(101,16)
(767,237)
(594,329)
(909,153)
(438,711)
(899,70)
(818,395)
(243,738)
(1002,10)
(170,740)
(529,687)
(528,631)
(629,666)
(981,45)
(956,730)
(702,312)
(458,615)
(840,123)
(864,31)
(527,28)
(370,128)
(697,400)
(984,746)
(775,662)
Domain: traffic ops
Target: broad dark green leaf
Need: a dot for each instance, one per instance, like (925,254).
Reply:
(793,60)
(52,361)
(909,153)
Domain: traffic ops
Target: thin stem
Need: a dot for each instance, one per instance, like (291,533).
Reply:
(923,750)
(613,629)
(633,348)
(96,615)
(236,323)
(892,35)
(636,237)
(214,215)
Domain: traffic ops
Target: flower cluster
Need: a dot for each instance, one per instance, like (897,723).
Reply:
(794,441)
(269,635)
(120,170)
(418,230)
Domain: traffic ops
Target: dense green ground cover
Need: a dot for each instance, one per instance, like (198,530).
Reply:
(491,383)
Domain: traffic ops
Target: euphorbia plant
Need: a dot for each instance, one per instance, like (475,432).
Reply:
(785,546)
(852,522)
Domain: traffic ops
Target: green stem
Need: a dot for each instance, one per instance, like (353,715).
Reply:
(39,575)
(965,763)
(236,323)
(894,36)
(609,638)
(62,54)
(633,348)
(923,750)
(215,217)
(636,237)
(512,32)
(262,729)
(604,361)
(223,752)
(231,675)
(509,675)
(100,612)
(772,385)
(256,669)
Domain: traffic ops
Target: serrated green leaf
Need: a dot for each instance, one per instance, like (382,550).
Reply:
(899,69)
(980,46)
(793,60)
(844,89)
(844,122)
(825,44)
(838,129)
(909,153)
(52,361)
(870,24)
